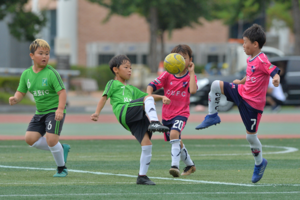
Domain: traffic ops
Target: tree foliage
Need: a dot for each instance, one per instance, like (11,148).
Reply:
(24,24)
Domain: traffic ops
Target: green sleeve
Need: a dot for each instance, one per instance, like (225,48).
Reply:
(22,84)
(56,81)
(138,93)
(108,89)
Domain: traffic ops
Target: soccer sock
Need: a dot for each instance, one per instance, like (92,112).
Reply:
(58,152)
(175,152)
(145,159)
(41,143)
(214,97)
(150,109)
(185,157)
(256,147)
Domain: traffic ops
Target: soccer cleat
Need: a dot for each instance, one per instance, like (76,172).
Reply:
(259,171)
(66,148)
(174,171)
(61,173)
(188,170)
(209,120)
(144,180)
(157,126)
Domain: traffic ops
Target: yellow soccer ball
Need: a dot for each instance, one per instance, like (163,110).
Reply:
(174,63)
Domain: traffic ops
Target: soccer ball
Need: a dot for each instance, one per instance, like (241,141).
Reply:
(174,63)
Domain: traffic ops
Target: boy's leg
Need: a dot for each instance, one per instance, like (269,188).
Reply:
(145,161)
(150,109)
(185,157)
(214,96)
(35,139)
(58,151)
(175,152)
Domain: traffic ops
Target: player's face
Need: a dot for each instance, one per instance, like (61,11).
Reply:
(41,57)
(248,46)
(124,70)
(187,59)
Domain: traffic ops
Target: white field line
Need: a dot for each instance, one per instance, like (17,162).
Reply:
(158,178)
(167,193)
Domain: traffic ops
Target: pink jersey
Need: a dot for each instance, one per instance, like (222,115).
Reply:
(259,69)
(177,90)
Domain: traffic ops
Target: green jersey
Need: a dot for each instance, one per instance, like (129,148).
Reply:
(44,86)
(121,95)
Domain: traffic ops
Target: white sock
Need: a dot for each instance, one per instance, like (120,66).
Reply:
(150,108)
(185,157)
(256,148)
(175,152)
(58,154)
(41,143)
(214,97)
(145,159)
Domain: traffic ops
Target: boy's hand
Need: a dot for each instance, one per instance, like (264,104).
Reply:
(94,117)
(59,114)
(12,100)
(191,67)
(276,80)
(166,100)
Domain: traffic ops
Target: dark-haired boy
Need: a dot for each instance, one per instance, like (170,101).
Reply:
(129,106)
(249,94)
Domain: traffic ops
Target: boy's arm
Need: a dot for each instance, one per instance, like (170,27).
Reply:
(237,81)
(100,105)
(276,80)
(164,99)
(16,98)
(193,84)
(149,90)
(62,99)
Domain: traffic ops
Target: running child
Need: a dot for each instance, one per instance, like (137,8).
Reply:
(249,94)
(49,93)
(175,115)
(128,104)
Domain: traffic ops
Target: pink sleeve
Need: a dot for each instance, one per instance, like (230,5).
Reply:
(266,65)
(159,82)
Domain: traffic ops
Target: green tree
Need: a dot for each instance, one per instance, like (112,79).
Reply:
(161,15)
(24,24)
(237,11)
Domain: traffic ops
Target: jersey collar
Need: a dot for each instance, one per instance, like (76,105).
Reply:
(250,60)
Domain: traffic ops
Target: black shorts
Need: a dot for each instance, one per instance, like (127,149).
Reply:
(46,123)
(136,119)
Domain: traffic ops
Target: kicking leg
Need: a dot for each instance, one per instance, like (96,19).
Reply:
(214,96)
(36,140)
(150,109)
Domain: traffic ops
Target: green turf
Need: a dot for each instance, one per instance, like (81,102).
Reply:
(213,159)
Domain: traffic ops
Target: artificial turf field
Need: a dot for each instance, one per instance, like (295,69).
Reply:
(107,169)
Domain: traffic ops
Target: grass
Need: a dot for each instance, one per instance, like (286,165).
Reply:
(108,170)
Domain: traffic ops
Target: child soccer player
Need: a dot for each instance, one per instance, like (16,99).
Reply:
(178,89)
(249,94)
(49,93)
(128,104)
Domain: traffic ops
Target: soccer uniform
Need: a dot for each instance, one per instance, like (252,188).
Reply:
(44,86)
(128,106)
(251,96)
(175,114)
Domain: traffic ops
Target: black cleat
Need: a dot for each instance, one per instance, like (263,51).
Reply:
(144,180)
(157,126)
(174,171)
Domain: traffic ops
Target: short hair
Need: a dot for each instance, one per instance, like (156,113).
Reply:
(256,33)
(183,48)
(116,61)
(38,43)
